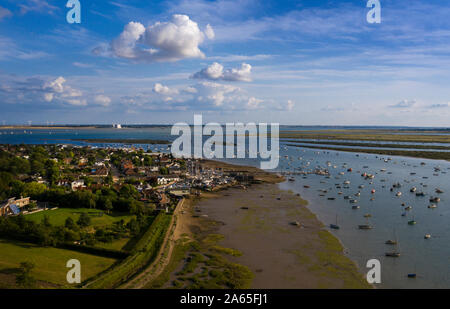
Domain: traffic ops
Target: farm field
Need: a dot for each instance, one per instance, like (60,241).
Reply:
(98,217)
(50,263)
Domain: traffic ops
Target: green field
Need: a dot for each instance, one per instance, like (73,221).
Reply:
(115,245)
(368,135)
(50,263)
(98,217)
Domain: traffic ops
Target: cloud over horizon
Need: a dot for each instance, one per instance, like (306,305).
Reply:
(216,71)
(171,41)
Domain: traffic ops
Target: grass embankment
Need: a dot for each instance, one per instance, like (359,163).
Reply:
(367,135)
(405,153)
(374,145)
(50,263)
(143,254)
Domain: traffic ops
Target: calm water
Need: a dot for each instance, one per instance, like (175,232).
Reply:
(428,258)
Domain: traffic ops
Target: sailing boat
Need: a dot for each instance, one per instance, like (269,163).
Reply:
(366,226)
(390,241)
(396,252)
(412,222)
(335,226)
(413,275)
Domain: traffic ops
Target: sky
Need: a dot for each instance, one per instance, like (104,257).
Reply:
(297,62)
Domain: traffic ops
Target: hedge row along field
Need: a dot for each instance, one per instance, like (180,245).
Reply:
(142,255)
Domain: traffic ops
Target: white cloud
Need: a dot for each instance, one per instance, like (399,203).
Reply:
(444,105)
(253,103)
(125,45)
(48,97)
(209,32)
(56,85)
(56,90)
(404,104)
(290,105)
(234,58)
(190,90)
(161,89)
(163,41)
(216,72)
(102,100)
(204,96)
(82,65)
(40,6)
(9,49)
(213,71)
(76,102)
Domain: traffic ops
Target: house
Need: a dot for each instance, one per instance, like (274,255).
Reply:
(63,183)
(77,184)
(126,164)
(129,172)
(99,172)
(13,206)
(163,180)
(179,192)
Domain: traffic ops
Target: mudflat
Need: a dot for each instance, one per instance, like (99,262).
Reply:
(282,242)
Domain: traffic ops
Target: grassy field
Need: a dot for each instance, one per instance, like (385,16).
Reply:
(98,218)
(434,155)
(115,245)
(375,145)
(368,135)
(50,263)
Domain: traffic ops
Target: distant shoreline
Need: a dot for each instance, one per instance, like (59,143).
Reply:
(123,141)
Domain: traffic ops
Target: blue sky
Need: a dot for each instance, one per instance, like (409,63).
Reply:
(293,62)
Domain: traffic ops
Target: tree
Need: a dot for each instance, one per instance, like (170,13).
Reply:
(70,224)
(87,181)
(148,161)
(46,221)
(109,179)
(34,189)
(129,191)
(24,278)
(108,205)
(84,220)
